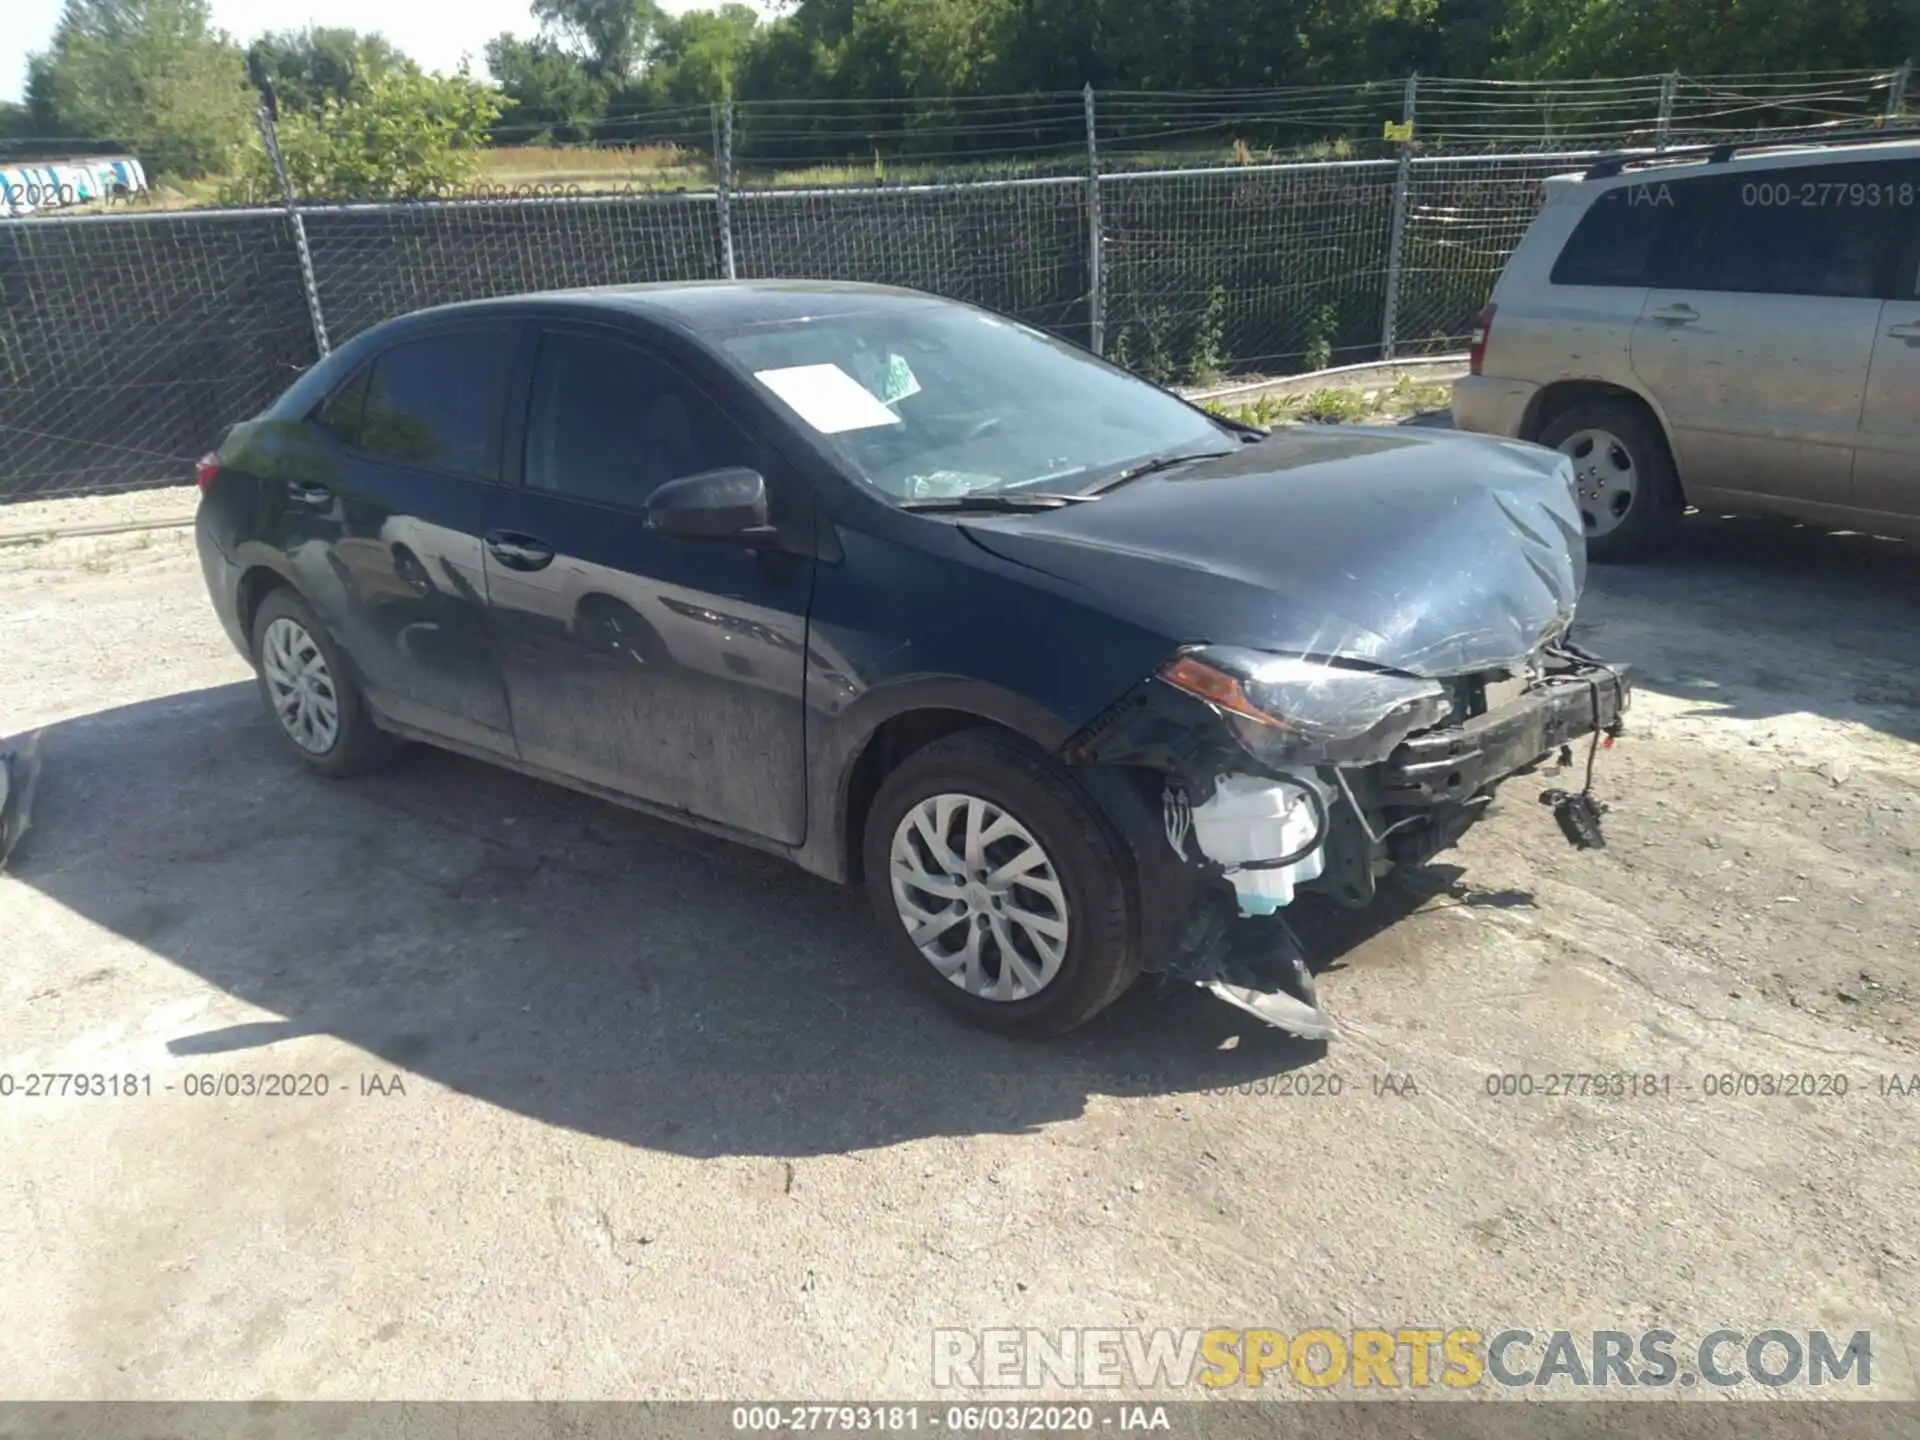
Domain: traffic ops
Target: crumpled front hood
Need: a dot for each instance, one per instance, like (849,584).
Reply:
(1428,552)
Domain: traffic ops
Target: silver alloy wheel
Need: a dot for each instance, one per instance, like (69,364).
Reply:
(1604,478)
(979,897)
(300,686)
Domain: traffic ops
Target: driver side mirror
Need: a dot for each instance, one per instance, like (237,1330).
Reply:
(713,505)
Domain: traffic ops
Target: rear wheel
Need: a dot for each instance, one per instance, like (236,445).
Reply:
(1001,886)
(1629,496)
(311,692)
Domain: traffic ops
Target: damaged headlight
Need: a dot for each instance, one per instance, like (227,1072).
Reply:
(1288,710)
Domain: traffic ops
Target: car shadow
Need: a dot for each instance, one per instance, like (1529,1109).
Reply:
(559,956)
(1755,618)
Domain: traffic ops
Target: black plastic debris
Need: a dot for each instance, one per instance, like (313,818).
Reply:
(1269,978)
(1579,818)
(18,771)
(1578,813)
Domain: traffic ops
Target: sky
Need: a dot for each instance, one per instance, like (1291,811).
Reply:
(434,32)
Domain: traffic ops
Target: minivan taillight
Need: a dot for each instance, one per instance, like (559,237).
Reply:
(1482,332)
(206,468)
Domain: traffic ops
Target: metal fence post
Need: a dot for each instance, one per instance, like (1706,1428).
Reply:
(263,117)
(1897,92)
(1396,243)
(723,182)
(1096,240)
(1663,126)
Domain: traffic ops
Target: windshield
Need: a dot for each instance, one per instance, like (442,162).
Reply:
(926,399)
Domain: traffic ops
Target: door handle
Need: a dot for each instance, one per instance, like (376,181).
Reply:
(1909,333)
(1677,314)
(306,493)
(519,552)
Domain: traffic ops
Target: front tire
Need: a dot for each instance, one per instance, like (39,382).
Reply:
(1629,495)
(1001,887)
(311,693)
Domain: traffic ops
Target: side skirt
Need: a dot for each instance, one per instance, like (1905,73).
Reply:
(598,792)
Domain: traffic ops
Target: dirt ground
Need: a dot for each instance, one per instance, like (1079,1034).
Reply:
(632,1087)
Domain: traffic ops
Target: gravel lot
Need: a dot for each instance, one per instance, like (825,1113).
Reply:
(654,1084)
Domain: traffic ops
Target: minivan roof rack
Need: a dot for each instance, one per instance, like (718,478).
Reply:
(1720,153)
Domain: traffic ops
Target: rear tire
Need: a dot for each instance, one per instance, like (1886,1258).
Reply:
(311,693)
(1619,455)
(1054,869)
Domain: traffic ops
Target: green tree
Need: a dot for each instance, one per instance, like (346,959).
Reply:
(412,135)
(306,68)
(150,74)
(546,89)
(610,35)
(785,61)
(920,48)
(1581,38)
(694,55)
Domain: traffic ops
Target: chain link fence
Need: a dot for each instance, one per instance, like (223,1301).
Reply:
(1263,269)
(1017,246)
(372,262)
(1464,216)
(128,344)
(130,341)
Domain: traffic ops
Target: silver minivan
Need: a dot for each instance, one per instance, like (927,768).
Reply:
(1735,329)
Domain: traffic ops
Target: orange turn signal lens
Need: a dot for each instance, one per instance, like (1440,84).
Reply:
(1216,687)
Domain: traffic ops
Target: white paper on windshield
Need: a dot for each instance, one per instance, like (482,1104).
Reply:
(828,399)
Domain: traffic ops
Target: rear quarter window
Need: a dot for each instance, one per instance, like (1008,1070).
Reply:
(339,413)
(1616,240)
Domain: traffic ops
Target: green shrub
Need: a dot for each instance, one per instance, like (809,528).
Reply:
(413,135)
(1207,358)
(1320,332)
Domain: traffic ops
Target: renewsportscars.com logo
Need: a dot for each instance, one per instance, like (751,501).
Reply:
(1404,1357)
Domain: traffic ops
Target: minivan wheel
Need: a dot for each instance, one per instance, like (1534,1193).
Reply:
(310,691)
(1000,885)
(1629,496)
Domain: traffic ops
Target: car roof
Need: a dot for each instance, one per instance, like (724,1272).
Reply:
(707,310)
(702,305)
(1753,154)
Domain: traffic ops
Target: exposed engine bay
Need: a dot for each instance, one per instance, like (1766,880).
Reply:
(1256,780)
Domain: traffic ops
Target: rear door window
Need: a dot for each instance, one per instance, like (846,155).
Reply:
(1826,230)
(439,402)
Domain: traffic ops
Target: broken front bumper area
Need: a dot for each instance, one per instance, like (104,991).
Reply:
(1162,753)
(1450,764)
(1436,784)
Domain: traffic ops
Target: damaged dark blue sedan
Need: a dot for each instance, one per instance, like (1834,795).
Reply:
(1080,681)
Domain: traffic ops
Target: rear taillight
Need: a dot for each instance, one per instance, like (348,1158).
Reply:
(206,468)
(1482,332)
